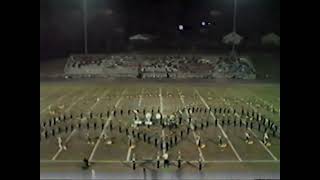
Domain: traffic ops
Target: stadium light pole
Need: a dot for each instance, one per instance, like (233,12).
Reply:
(234,15)
(234,24)
(85,35)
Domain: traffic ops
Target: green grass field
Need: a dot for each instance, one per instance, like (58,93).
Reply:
(65,98)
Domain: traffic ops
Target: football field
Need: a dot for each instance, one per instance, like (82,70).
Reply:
(96,121)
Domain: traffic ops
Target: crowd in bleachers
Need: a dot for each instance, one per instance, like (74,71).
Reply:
(167,66)
(144,66)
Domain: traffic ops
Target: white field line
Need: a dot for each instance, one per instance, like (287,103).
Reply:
(97,102)
(93,174)
(129,153)
(140,161)
(199,149)
(60,149)
(58,100)
(139,105)
(68,138)
(105,127)
(221,129)
(262,100)
(192,127)
(161,100)
(270,153)
(140,97)
(265,102)
(76,101)
(254,134)
(244,161)
(254,108)
(162,132)
(164,141)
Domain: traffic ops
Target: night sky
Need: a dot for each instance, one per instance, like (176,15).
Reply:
(111,22)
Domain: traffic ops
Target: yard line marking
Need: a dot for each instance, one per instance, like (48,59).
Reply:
(141,161)
(93,174)
(58,100)
(140,97)
(191,125)
(60,149)
(97,102)
(70,93)
(129,153)
(130,148)
(200,151)
(68,138)
(223,132)
(164,141)
(244,161)
(254,134)
(76,101)
(105,127)
(161,100)
(264,102)
(162,132)
(270,153)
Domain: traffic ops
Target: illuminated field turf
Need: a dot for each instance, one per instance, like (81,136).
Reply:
(66,99)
